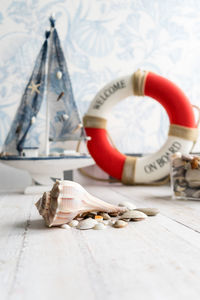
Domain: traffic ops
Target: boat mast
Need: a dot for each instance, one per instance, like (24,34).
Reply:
(49,57)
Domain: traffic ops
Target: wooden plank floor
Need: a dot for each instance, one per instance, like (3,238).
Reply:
(154,259)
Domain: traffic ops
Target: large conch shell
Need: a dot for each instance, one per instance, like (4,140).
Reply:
(68,199)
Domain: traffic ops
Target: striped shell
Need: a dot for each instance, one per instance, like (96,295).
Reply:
(68,199)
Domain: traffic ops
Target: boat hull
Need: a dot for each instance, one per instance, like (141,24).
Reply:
(44,170)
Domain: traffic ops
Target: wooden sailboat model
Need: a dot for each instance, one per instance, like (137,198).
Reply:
(47,120)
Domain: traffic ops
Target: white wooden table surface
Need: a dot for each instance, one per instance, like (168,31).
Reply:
(158,258)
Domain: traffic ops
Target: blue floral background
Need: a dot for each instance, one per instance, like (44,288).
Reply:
(102,40)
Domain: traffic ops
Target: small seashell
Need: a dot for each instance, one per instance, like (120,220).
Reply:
(78,217)
(120,224)
(65,226)
(99,226)
(33,119)
(127,204)
(180,188)
(98,218)
(73,223)
(106,222)
(59,74)
(176,155)
(105,216)
(111,222)
(186,157)
(149,211)
(193,177)
(179,160)
(179,178)
(113,214)
(65,117)
(88,215)
(86,224)
(133,215)
(195,163)
(196,194)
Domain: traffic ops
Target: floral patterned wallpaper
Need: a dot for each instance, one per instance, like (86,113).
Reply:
(102,40)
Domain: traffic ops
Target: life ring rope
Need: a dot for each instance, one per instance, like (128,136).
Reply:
(139,78)
(94,122)
(190,134)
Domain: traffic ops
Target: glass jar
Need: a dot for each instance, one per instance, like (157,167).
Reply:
(185,176)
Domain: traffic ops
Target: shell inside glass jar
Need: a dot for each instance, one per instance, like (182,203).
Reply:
(185,176)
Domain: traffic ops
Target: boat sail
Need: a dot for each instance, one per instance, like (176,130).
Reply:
(47,115)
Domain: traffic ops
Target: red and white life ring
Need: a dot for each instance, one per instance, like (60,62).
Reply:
(182,134)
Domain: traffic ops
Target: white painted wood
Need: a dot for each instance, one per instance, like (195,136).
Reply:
(184,212)
(154,259)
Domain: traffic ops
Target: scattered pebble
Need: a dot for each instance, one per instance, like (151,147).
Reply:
(65,226)
(120,224)
(133,215)
(100,220)
(86,224)
(113,214)
(73,223)
(125,219)
(127,204)
(149,211)
(99,226)
(105,216)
